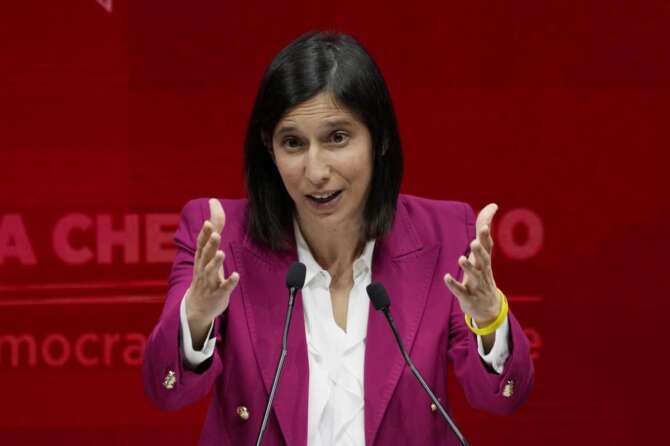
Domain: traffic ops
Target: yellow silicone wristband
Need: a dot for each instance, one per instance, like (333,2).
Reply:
(493,326)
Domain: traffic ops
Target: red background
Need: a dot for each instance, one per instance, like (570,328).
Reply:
(558,107)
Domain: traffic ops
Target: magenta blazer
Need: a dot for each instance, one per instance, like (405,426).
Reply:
(425,242)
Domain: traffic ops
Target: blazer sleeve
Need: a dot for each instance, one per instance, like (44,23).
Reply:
(484,389)
(167,382)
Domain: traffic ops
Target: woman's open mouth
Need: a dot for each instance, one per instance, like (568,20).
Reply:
(324,200)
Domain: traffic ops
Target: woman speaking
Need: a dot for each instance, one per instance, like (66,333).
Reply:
(323,167)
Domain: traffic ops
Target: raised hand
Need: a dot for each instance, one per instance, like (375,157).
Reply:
(477,294)
(210,290)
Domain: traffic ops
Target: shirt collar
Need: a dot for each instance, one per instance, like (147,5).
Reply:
(361,264)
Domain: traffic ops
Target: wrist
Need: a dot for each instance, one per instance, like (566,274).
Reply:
(487,329)
(196,323)
(485,322)
(196,318)
(490,317)
(199,328)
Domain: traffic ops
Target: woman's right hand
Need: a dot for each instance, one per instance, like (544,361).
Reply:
(210,290)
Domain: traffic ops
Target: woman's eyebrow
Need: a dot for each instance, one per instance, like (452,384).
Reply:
(286,129)
(339,123)
(330,124)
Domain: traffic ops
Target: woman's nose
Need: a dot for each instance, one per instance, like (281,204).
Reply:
(317,168)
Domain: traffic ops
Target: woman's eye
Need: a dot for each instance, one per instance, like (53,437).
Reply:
(291,143)
(340,137)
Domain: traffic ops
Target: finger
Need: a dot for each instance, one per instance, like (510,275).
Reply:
(231,282)
(458,289)
(216,215)
(203,238)
(212,268)
(473,277)
(221,272)
(484,237)
(482,259)
(210,249)
(485,217)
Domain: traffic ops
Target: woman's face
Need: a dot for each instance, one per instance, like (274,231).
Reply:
(324,156)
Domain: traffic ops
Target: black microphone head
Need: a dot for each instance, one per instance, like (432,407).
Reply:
(295,278)
(378,295)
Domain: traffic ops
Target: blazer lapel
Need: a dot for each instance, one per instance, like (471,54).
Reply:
(266,302)
(405,268)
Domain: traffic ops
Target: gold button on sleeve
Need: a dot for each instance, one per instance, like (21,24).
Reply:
(170,380)
(508,390)
(242,412)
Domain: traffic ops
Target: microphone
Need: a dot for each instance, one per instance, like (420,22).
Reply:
(381,301)
(295,279)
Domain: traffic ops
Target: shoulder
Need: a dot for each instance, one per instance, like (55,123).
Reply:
(457,212)
(436,219)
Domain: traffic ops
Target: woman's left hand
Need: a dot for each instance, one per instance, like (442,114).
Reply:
(478,294)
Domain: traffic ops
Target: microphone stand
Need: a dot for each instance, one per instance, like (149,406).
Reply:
(280,365)
(418,376)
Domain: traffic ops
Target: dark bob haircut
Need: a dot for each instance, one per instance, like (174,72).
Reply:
(320,62)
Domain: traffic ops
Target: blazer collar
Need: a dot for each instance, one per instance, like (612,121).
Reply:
(400,262)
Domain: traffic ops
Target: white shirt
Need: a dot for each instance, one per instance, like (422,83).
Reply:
(335,401)
(335,414)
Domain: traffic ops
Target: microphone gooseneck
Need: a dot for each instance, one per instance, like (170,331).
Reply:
(295,279)
(381,301)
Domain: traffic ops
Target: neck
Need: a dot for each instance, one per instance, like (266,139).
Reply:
(334,247)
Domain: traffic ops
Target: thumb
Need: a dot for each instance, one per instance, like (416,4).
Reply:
(485,217)
(216,214)
(483,226)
